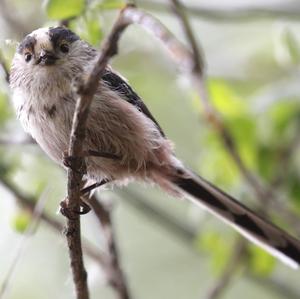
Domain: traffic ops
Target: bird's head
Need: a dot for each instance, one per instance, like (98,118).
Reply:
(47,47)
(47,53)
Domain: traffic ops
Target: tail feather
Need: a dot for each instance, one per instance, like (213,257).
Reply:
(273,239)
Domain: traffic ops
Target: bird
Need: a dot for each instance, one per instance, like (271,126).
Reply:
(124,142)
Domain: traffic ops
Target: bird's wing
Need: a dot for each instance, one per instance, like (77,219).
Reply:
(119,85)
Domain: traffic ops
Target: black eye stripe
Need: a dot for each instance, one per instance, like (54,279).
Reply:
(27,43)
(59,34)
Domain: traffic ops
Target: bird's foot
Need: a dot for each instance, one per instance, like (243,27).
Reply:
(75,163)
(72,213)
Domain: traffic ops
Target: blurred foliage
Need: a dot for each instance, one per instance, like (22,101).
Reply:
(218,247)
(257,93)
(4,169)
(88,27)
(21,221)
(64,9)
(288,47)
(261,263)
(5,110)
(110,4)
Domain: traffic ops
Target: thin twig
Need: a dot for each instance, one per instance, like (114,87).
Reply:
(115,273)
(218,123)
(187,234)
(36,216)
(75,173)
(284,158)
(185,60)
(197,59)
(212,116)
(28,203)
(187,237)
(129,15)
(113,269)
(229,271)
(264,193)
(230,15)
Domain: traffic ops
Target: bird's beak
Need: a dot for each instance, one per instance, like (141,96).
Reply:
(47,58)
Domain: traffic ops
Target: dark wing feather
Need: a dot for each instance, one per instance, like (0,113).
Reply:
(116,83)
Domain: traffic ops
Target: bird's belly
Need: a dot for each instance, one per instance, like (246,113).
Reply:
(113,127)
(51,133)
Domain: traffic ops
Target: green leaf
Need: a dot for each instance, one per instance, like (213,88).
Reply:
(266,161)
(112,4)
(215,163)
(5,111)
(293,185)
(21,221)
(88,27)
(91,30)
(261,262)
(282,114)
(57,9)
(94,31)
(291,46)
(243,130)
(225,98)
(219,249)
(5,166)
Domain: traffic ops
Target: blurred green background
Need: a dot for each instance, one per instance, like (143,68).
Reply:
(169,248)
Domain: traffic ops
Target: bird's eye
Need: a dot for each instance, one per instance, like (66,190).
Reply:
(28,57)
(64,48)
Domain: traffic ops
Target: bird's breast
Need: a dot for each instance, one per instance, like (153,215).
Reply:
(47,119)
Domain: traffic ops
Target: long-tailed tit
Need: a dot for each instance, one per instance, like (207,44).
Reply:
(128,141)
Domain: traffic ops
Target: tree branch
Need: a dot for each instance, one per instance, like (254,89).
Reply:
(211,114)
(28,203)
(35,220)
(184,59)
(86,92)
(114,270)
(77,164)
(186,235)
(214,118)
(284,157)
(234,262)
(232,15)
(264,193)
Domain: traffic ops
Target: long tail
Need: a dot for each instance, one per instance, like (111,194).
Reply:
(263,233)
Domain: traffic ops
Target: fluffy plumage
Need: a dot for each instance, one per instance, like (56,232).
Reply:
(44,68)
